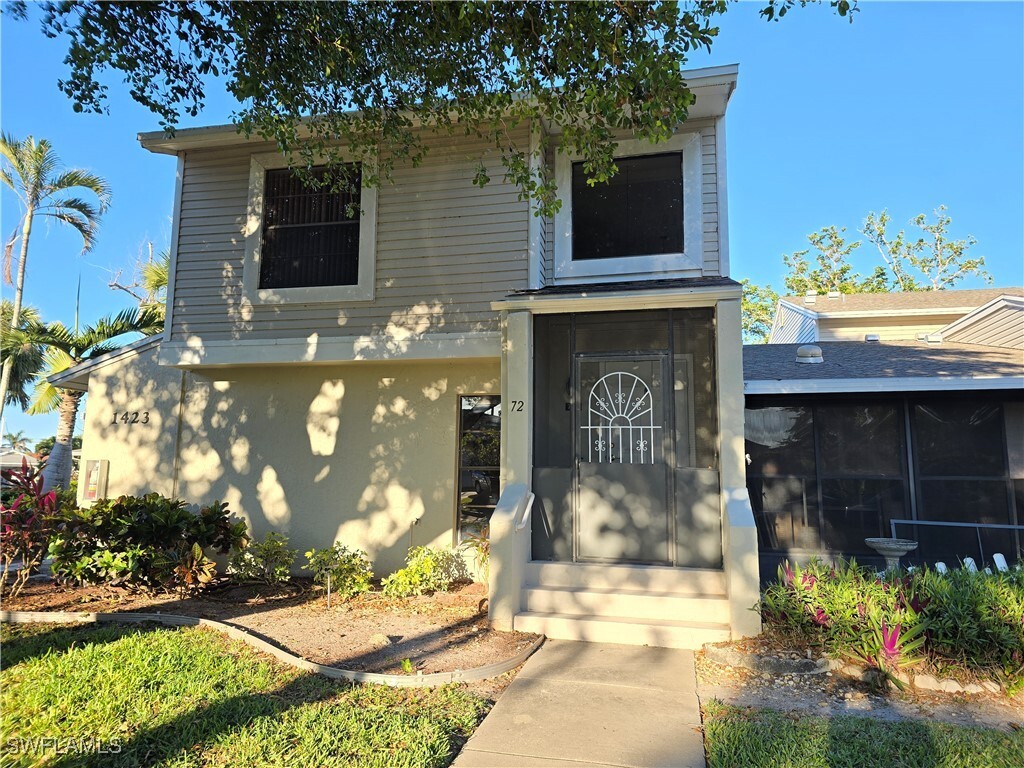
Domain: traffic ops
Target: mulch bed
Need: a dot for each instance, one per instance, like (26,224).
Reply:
(443,632)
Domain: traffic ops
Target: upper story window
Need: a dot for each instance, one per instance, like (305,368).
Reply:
(310,235)
(305,244)
(644,222)
(639,211)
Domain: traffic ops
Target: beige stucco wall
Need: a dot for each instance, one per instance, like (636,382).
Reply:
(356,453)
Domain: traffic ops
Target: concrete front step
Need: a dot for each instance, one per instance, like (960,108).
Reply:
(627,604)
(603,629)
(704,582)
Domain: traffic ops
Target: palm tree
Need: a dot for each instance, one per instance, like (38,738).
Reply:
(45,188)
(65,348)
(18,346)
(17,440)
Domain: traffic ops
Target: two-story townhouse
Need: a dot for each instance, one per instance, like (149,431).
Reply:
(447,358)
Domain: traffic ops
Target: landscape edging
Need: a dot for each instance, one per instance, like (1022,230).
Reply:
(732,657)
(174,620)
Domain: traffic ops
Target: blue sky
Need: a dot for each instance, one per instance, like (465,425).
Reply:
(913,105)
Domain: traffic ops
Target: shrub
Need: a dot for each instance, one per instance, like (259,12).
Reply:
(427,570)
(268,561)
(26,523)
(477,541)
(143,541)
(974,620)
(340,569)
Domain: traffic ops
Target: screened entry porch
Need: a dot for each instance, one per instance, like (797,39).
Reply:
(625,439)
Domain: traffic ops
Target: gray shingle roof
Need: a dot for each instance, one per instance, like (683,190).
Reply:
(887,359)
(915,300)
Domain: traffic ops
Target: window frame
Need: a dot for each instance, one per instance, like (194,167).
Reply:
(363,290)
(684,263)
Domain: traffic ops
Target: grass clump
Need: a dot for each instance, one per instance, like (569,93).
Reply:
(189,697)
(761,738)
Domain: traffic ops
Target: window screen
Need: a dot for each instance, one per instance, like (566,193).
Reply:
(310,236)
(638,212)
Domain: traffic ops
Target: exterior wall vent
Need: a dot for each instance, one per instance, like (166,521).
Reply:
(811,297)
(809,353)
(872,337)
(834,294)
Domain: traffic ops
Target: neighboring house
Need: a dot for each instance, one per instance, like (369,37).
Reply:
(989,316)
(395,378)
(902,429)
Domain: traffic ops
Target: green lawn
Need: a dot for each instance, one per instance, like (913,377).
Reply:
(190,697)
(762,738)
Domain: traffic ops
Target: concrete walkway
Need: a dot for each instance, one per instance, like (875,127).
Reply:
(594,705)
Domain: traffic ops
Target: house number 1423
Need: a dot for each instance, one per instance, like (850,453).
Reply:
(131,417)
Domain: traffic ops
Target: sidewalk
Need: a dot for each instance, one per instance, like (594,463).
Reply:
(588,704)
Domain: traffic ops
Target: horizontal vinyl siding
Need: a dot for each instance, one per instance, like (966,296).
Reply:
(887,328)
(445,249)
(711,261)
(1001,328)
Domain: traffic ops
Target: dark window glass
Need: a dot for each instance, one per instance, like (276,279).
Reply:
(860,440)
(479,457)
(786,512)
(959,438)
(310,236)
(638,212)
(780,441)
(854,509)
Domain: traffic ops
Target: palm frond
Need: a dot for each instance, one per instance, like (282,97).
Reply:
(9,256)
(145,321)
(45,398)
(75,213)
(76,177)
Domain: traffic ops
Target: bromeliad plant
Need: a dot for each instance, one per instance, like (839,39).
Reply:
(897,620)
(892,649)
(26,524)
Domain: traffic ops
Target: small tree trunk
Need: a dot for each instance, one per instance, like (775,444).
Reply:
(57,473)
(19,291)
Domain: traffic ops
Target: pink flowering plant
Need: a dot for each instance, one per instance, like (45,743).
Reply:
(26,523)
(901,619)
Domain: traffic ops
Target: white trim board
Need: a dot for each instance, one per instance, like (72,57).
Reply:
(872,385)
(72,377)
(195,353)
(689,263)
(612,301)
(982,312)
(362,291)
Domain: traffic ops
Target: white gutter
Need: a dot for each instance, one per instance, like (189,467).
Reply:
(880,384)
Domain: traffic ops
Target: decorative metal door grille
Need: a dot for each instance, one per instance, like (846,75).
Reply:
(620,424)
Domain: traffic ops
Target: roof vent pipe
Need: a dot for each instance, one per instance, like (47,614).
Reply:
(809,353)
(872,337)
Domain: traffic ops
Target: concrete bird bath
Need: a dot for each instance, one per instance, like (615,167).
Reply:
(891,549)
